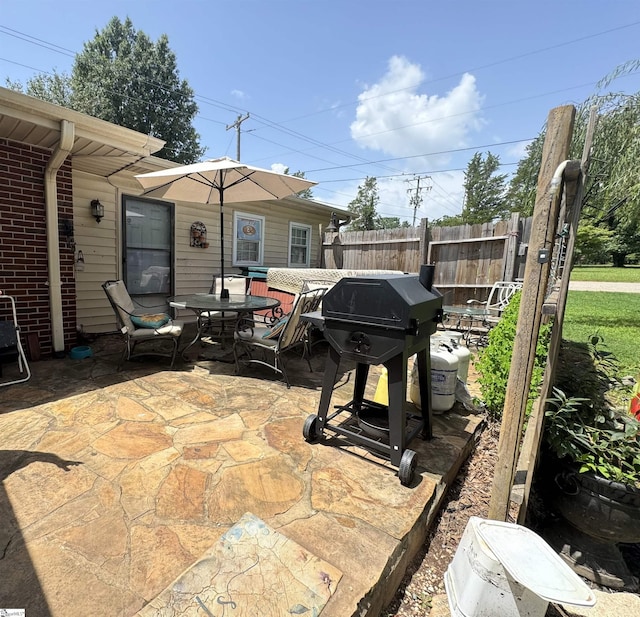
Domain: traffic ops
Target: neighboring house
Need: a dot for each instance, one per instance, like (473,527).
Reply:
(54,255)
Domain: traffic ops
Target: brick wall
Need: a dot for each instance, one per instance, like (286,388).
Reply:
(24,269)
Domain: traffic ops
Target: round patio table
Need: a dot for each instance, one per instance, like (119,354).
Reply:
(238,306)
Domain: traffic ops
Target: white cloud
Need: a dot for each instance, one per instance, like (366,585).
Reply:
(394,118)
(239,94)
(279,168)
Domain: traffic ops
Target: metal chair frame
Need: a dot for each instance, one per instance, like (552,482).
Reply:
(123,307)
(11,344)
(251,348)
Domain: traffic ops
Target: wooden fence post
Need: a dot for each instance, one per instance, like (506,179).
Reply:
(545,215)
(511,247)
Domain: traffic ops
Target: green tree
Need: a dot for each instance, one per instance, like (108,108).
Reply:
(448,221)
(306,194)
(365,207)
(123,77)
(612,192)
(484,190)
(55,88)
(592,244)
(521,194)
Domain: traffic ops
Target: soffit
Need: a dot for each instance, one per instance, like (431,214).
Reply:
(99,147)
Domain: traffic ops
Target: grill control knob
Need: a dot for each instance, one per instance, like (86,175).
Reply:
(361,342)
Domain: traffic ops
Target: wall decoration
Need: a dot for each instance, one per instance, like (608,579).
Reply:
(199,235)
(248,229)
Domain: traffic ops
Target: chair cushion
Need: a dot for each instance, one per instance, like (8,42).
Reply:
(153,321)
(171,329)
(276,329)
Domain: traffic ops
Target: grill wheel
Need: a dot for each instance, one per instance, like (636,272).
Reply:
(310,430)
(407,467)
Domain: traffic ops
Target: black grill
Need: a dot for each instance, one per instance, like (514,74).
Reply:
(384,320)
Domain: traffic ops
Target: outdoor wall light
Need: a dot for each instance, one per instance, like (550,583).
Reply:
(97,210)
(336,222)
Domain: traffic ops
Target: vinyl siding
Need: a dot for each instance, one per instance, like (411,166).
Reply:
(194,267)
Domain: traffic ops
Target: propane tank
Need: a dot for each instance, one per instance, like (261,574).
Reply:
(444,370)
(463,353)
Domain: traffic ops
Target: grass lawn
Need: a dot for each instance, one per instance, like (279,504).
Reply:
(609,274)
(614,316)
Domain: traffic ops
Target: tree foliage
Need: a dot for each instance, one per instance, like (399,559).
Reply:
(55,88)
(123,77)
(484,190)
(612,192)
(365,207)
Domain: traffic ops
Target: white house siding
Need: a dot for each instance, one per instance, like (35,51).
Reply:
(99,243)
(194,267)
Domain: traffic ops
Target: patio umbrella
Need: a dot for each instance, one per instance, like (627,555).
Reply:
(220,181)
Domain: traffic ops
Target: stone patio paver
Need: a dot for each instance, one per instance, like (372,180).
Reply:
(114,483)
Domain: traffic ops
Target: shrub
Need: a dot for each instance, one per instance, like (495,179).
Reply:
(495,360)
(580,423)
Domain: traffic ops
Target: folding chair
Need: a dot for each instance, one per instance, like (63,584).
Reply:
(11,346)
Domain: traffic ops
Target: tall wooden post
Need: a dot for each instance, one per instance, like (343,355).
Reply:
(545,214)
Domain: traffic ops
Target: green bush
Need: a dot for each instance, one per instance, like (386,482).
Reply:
(494,361)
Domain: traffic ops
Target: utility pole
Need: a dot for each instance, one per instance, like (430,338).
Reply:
(236,125)
(415,195)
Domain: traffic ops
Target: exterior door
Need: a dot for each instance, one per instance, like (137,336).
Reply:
(148,248)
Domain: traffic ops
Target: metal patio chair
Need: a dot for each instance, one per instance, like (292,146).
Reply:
(124,308)
(221,324)
(267,345)
(479,316)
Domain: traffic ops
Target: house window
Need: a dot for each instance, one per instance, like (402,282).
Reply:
(248,239)
(299,245)
(148,242)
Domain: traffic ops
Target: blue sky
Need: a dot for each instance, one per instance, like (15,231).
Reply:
(345,89)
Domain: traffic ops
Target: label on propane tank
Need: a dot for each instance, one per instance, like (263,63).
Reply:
(443,383)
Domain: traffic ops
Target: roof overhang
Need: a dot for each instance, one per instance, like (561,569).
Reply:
(99,147)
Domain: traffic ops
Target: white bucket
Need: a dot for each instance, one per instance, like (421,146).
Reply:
(444,370)
(507,570)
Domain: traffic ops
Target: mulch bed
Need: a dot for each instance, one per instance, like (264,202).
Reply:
(469,495)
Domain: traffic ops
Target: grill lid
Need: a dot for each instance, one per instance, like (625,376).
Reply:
(398,301)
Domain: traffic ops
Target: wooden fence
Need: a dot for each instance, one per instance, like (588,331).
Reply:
(468,258)
(385,249)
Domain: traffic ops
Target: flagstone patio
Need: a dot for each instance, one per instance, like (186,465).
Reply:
(116,484)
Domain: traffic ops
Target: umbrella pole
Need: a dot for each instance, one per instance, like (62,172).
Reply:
(224,293)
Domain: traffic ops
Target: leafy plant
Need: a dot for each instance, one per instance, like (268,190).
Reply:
(582,425)
(494,361)
(606,443)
